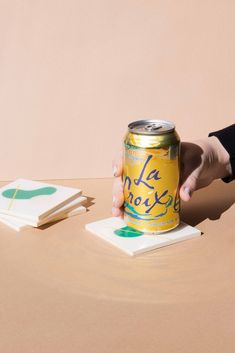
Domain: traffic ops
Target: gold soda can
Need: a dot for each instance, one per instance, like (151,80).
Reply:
(151,176)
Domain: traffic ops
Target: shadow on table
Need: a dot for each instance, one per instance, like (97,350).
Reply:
(88,203)
(210,202)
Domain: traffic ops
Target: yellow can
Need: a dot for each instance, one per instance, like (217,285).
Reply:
(151,176)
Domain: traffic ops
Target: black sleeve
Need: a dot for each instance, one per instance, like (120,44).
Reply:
(227,139)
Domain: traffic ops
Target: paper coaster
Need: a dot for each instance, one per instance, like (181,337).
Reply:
(114,231)
(18,224)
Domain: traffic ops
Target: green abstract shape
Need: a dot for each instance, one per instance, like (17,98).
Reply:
(20,194)
(128,232)
(169,203)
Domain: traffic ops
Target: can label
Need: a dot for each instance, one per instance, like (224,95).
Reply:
(151,178)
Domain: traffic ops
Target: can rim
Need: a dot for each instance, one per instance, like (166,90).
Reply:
(133,126)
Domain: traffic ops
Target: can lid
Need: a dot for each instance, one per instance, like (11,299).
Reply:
(151,127)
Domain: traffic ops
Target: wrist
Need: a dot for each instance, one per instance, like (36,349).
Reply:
(223,166)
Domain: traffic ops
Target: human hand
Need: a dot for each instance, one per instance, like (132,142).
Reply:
(201,162)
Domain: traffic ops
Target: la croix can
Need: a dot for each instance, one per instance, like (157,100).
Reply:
(151,176)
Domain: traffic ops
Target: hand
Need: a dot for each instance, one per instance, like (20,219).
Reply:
(201,163)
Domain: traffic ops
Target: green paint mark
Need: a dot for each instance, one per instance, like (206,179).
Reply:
(169,203)
(128,232)
(20,194)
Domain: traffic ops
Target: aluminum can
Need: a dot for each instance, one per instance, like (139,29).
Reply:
(151,176)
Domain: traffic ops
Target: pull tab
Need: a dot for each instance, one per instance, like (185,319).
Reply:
(152,127)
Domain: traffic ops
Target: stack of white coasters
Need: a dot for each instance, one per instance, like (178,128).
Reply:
(27,203)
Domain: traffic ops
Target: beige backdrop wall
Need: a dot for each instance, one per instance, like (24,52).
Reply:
(74,73)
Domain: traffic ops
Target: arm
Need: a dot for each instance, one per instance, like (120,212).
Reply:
(226,140)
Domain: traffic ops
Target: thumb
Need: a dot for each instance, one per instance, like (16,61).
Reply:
(189,186)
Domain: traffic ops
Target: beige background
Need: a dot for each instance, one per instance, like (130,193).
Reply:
(74,73)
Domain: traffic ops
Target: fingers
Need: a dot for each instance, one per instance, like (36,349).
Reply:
(191,167)
(117,212)
(118,164)
(118,197)
(188,187)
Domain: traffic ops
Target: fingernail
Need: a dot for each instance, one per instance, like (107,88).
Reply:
(187,191)
(114,199)
(115,170)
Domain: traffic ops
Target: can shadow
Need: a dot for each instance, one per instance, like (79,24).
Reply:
(88,203)
(210,202)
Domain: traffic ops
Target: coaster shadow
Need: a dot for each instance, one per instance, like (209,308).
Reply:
(210,202)
(88,203)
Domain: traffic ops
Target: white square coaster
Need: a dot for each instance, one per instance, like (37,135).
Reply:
(68,210)
(34,200)
(138,243)
(19,224)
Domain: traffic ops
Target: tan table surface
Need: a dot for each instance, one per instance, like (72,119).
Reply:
(63,290)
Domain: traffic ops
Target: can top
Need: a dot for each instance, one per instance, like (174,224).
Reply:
(151,127)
